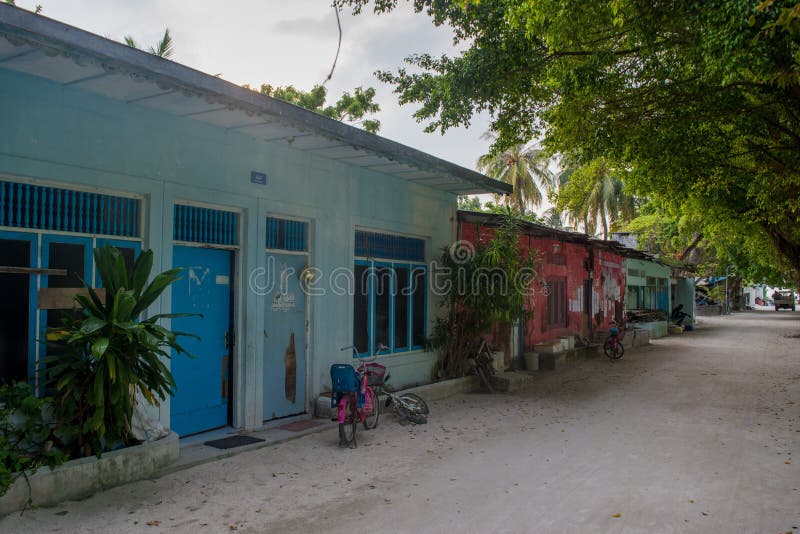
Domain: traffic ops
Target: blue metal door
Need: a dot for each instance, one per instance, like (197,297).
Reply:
(203,384)
(285,342)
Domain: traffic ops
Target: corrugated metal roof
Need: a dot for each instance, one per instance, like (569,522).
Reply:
(70,56)
(540,230)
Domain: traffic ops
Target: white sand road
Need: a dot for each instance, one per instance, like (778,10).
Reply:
(695,433)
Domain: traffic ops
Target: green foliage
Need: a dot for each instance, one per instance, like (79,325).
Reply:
(698,101)
(594,193)
(714,243)
(107,356)
(526,169)
(26,435)
(352,108)
(475,204)
(163,48)
(486,288)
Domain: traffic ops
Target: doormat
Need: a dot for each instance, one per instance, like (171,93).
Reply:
(297,426)
(232,442)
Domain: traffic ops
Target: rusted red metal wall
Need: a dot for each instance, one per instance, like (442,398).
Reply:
(567,263)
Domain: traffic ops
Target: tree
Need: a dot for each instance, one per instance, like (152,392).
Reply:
(594,194)
(351,108)
(525,168)
(163,48)
(699,101)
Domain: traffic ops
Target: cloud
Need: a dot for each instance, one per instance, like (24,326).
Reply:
(304,26)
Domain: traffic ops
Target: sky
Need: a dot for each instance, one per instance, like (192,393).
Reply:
(287,42)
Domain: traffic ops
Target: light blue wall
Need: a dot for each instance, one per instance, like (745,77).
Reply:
(63,134)
(684,294)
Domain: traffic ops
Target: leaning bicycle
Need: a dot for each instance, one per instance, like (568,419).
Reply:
(409,407)
(483,365)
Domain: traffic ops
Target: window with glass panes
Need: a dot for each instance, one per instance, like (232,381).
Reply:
(389,303)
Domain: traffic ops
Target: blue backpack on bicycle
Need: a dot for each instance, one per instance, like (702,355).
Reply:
(345,379)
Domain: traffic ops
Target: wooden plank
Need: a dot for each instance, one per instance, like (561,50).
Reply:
(63,298)
(32,270)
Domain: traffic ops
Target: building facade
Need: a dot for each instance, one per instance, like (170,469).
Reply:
(579,287)
(285,222)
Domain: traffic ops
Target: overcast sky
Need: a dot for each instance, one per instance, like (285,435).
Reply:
(286,42)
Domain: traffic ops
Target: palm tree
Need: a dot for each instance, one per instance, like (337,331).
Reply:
(525,168)
(594,194)
(554,218)
(163,48)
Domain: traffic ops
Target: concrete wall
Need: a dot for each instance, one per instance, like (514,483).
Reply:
(683,293)
(80,478)
(63,135)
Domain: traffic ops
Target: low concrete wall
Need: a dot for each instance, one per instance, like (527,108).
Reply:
(636,338)
(657,329)
(429,392)
(80,478)
(711,309)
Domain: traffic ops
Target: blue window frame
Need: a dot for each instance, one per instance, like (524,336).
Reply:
(389,307)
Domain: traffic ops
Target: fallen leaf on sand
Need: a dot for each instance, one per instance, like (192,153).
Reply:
(153,523)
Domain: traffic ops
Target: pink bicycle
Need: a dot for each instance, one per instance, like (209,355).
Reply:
(354,397)
(613,343)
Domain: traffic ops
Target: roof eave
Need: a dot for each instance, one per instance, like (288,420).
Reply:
(47,32)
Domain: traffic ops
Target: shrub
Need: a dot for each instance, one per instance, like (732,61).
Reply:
(107,356)
(26,435)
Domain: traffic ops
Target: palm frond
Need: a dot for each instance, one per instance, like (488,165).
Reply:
(164,48)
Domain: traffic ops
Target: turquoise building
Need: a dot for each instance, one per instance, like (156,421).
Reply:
(290,226)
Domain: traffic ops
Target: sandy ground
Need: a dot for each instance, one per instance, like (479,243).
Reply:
(692,434)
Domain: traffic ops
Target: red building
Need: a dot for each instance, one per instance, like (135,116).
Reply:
(580,282)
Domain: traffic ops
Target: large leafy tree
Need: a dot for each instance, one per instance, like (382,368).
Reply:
(699,101)
(353,108)
(525,167)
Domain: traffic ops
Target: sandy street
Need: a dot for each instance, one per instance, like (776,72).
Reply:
(696,433)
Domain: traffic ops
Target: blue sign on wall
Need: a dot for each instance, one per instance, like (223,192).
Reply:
(258,178)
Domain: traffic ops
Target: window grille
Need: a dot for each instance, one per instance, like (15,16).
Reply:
(286,234)
(389,246)
(52,208)
(194,224)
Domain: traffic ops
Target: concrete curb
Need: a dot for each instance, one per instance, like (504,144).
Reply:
(78,479)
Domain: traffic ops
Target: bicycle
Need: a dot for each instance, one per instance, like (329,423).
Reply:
(613,344)
(483,365)
(410,407)
(354,398)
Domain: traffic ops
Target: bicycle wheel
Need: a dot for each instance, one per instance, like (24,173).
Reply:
(372,409)
(484,378)
(414,403)
(347,429)
(614,351)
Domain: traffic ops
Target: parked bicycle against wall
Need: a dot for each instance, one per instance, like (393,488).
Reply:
(354,397)
(483,365)
(613,343)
